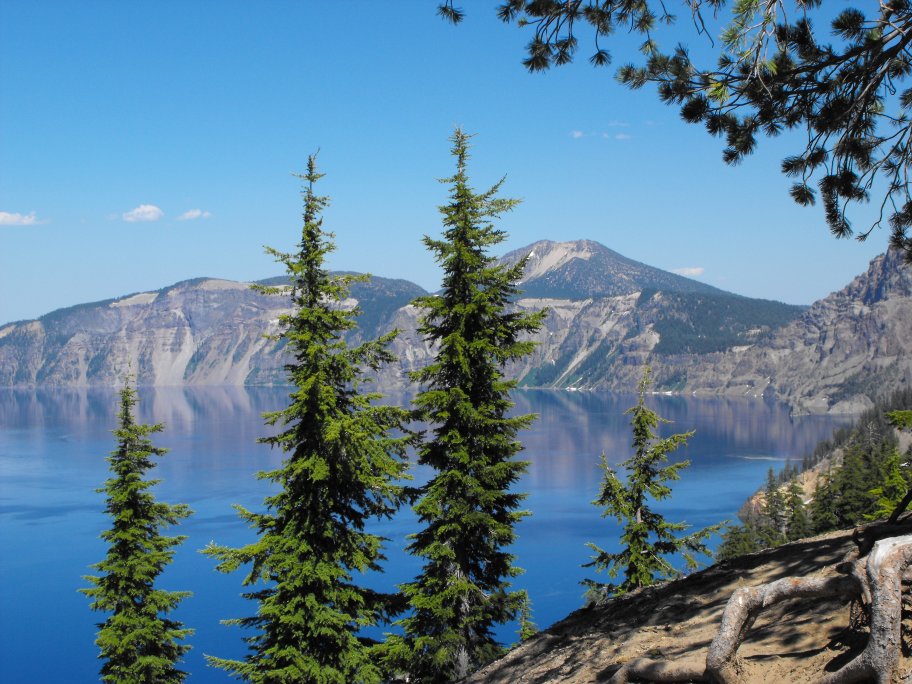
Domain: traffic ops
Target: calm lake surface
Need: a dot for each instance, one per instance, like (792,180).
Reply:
(53,445)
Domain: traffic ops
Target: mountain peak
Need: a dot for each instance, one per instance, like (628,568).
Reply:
(546,255)
(581,269)
(888,275)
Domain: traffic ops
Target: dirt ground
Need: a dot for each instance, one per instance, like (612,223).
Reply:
(796,642)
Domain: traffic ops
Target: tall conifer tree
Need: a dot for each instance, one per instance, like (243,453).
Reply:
(799,524)
(139,643)
(648,537)
(468,508)
(339,473)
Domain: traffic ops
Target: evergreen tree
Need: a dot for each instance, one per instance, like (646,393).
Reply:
(799,524)
(527,627)
(339,472)
(891,490)
(648,537)
(738,540)
(853,483)
(901,420)
(823,508)
(775,512)
(468,509)
(139,644)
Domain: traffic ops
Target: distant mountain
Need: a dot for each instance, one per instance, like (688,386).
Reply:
(608,315)
(203,331)
(584,269)
(848,347)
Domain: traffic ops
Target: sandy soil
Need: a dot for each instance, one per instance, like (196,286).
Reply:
(795,642)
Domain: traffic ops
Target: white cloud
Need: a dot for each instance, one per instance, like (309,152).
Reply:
(10,219)
(603,134)
(689,271)
(144,212)
(192,214)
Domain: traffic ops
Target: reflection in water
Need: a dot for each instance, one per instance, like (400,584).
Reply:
(52,448)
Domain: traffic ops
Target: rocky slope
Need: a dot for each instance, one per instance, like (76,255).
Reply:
(585,269)
(798,641)
(854,344)
(608,315)
(203,331)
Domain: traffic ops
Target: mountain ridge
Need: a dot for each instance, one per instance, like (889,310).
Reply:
(580,269)
(608,316)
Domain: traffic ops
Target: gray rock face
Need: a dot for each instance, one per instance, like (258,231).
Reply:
(848,347)
(195,332)
(608,315)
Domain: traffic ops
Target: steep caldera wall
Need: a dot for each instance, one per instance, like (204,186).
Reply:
(608,315)
(848,347)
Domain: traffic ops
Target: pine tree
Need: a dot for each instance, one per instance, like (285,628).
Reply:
(468,509)
(647,538)
(799,524)
(527,626)
(775,510)
(139,644)
(339,473)
(823,508)
(738,540)
(892,488)
(853,482)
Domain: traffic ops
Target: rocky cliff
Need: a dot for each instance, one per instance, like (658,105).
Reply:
(798,641)
(850,346)
(203,332)
(607,316)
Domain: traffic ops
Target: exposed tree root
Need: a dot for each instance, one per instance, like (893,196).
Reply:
(872,576)
(875,579)
(748,602)
(884,569)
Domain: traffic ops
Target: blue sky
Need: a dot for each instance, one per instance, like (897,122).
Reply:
(145,143)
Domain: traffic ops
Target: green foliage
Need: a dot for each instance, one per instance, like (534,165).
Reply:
(750,537)
(648,538)
(900,419)
(894,483)
(823,507)
(692,323)
(799,522)
(876,422)
(139,644)
(775,508)
(866,481)
(783,517)
(852,484)
(774,70)
(527,628)
(468,508)
(868,484)
(339,472)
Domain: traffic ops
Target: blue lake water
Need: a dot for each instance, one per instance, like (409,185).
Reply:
(53,445)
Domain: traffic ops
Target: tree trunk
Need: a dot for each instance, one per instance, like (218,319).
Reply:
(875,579)
(884,572)
(747,603)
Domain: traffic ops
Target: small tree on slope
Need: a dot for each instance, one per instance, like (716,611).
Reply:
(139,644)
(468,508)
(339,473)
(648,538)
